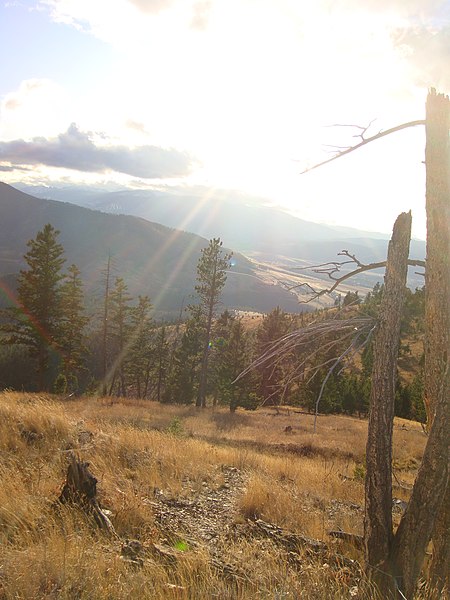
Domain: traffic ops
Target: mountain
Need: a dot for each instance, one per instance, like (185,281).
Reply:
(153,259)
(243,222)
(267,234)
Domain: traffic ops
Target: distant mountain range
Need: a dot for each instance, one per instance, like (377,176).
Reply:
(279,242)
(152,258)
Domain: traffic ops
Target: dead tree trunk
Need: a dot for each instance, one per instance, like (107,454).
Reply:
(416,526)
(437,300)
(429,505)
(378,533)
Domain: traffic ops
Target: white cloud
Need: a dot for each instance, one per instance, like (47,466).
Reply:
(36,104)
(151,6)
(427,49)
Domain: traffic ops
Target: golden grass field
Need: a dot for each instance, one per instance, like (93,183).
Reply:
(188,485)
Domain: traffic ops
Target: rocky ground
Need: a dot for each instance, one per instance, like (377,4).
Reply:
(206,514)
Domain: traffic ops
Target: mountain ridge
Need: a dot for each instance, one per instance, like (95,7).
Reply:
(263,233)
(152,258)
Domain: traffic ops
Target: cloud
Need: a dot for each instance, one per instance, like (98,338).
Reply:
(15,100)
(200,17)
(8,169)
(136,126)
(417,9)
(151,6)
(75,149)
(428,50)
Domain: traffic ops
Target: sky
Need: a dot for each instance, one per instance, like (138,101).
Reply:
(226,94)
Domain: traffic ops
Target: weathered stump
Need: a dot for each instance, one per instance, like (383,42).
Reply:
(80,489)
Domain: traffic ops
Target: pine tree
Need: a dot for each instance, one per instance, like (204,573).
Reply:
(36,321)
(211,277)
(229,355)
(119,331)
(105,325)
(73,325)
(141,352)
(273,327)
(182,385)
(162,352)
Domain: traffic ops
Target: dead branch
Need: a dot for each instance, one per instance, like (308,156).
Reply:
(350,350)
(332,268)
(364,141)
(311,339)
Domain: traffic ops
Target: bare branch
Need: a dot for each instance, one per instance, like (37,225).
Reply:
(364,140)
(324,382)
(312,336)
(333,267)
(311,341)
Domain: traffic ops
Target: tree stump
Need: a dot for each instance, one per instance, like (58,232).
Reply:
(80,489)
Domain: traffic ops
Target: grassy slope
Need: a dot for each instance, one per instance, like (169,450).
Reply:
(161,472)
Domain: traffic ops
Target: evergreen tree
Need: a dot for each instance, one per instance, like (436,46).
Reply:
(273,327)
(182,385)
(141,351)
(417,394)
(229,355)
(351,298)
(73,325)
(162,353)
(105,325)
(119,332)
(36,321)
(211,277)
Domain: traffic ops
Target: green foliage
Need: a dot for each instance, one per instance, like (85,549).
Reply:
(274,325)
(413,318)
(119,333)
(211,277)
(183,380)
(73,323)
(351,298)
(409,402)
(36,321)
(176,427)
(17,367)
(229,354)
(372,301)
(60,385)
(417,390)
(403,403)
(359,472)
(183,363)
(140,354)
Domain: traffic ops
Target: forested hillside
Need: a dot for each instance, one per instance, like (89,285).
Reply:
(50,340)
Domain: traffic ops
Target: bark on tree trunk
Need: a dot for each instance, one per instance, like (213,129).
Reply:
(378,532)
(414,531)
(105,329)
(437,299)
(203,382)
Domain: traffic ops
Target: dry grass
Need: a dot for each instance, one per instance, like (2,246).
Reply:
(304,483)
